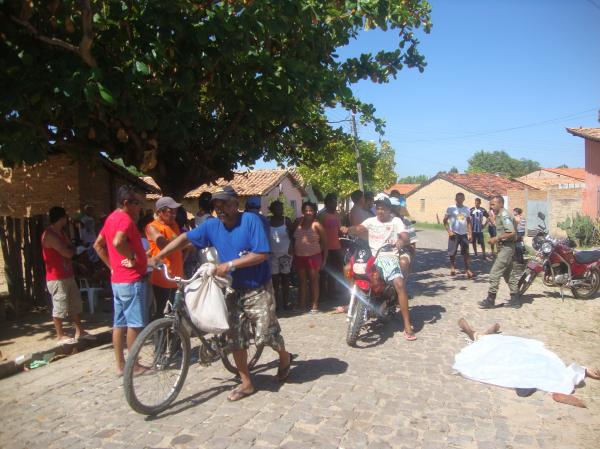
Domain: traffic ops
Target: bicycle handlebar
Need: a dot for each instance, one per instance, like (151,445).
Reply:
(177,279)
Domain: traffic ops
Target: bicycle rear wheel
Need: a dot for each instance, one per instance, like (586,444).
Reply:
(156,366)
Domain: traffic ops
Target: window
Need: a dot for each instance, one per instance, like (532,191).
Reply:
(422,202)
(293,204)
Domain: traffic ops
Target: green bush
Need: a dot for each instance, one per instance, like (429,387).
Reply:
(582,229)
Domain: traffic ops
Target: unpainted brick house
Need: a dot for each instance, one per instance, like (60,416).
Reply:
(30,190)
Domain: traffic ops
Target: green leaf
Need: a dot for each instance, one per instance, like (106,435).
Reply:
(142,68)
(105,94)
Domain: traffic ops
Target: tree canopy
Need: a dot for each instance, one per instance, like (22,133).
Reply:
(419,179)
(501,163)
(337,173)
(188,90)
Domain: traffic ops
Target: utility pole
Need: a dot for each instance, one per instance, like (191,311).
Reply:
(358,166)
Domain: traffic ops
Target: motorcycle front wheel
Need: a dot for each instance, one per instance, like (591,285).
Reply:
(357,319)
(588,292)
(526,280)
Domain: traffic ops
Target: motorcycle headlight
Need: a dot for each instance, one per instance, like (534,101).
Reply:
(547,247)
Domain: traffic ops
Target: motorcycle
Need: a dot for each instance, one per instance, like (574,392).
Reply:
(370,296)
(561,266)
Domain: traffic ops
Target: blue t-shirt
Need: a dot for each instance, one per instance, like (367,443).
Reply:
(247,236)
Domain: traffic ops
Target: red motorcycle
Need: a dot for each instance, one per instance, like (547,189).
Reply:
(561,266)
(371,296)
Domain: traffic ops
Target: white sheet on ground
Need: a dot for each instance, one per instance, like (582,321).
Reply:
(516,362)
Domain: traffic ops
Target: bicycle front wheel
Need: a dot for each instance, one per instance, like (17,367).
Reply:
(156,366)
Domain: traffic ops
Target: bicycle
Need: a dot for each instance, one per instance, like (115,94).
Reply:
(158,362)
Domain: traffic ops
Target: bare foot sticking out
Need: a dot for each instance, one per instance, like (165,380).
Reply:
(593,373)
(466,328)
(568,399)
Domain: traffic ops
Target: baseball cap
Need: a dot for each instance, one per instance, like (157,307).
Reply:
(166,201)
(224,193)
(253,202)
(385,202)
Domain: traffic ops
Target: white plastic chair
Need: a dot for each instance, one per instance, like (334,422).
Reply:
(90,292)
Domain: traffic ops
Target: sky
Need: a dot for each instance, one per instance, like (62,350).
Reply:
(505,75)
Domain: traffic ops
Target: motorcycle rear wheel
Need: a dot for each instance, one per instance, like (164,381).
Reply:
(526,280)
(585,292)
(357,319)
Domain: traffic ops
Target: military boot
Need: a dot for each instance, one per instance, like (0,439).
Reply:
(514,302)
(489,302)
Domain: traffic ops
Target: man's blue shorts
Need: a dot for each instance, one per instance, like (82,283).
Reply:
(130,304)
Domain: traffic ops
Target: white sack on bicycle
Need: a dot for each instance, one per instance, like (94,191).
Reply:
(205,300)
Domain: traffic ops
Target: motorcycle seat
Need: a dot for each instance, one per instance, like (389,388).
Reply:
(587,256)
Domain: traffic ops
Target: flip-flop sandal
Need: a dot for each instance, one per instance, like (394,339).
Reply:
(568,399)
(314,311)
(409,337)
(283,373)
(238,394)
(340,309)
(67,341)
(86,336)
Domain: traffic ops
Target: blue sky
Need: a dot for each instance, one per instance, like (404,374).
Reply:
(493,65)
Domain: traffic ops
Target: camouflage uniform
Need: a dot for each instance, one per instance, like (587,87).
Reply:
(254,306)
(504,264)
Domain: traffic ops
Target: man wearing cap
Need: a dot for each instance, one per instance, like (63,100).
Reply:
(253,206)
(57,252)
(243,249)
(387,235)
(159,233)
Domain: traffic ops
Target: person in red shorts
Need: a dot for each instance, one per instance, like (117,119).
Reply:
(310,254)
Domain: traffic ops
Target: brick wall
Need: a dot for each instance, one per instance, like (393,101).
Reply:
(563,203)
(436,197)
(31,190)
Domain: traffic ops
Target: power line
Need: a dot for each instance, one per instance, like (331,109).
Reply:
(485,133)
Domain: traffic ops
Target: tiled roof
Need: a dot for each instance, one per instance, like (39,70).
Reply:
(402,189)
(485,185)
(248,183)
(586,133)
(488,184)
(576,173)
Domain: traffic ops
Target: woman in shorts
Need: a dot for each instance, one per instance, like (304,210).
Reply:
(310,254)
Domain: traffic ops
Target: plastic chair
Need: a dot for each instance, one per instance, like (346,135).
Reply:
(90,292)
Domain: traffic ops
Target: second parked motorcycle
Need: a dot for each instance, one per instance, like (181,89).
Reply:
(561,266)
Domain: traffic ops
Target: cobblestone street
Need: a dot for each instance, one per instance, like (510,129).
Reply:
(388,392)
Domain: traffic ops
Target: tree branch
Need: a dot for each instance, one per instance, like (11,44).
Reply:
(85,46)
(48,40)
(84,50)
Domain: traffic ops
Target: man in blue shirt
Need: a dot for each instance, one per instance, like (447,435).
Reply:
(243,249)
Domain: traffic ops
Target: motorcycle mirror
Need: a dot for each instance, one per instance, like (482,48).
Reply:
(541,216)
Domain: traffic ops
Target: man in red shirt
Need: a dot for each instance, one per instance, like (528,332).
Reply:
(119,245)
(57,252)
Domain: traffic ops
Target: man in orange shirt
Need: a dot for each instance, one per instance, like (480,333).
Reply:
(159,233)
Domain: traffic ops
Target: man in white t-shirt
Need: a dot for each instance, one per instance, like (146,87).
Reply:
(457,222)
(386,234)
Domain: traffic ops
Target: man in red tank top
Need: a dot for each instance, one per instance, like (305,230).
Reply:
(57,252)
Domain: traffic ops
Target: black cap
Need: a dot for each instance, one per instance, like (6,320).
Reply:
(385,202)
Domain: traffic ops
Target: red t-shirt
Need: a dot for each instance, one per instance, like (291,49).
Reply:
(121,221)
